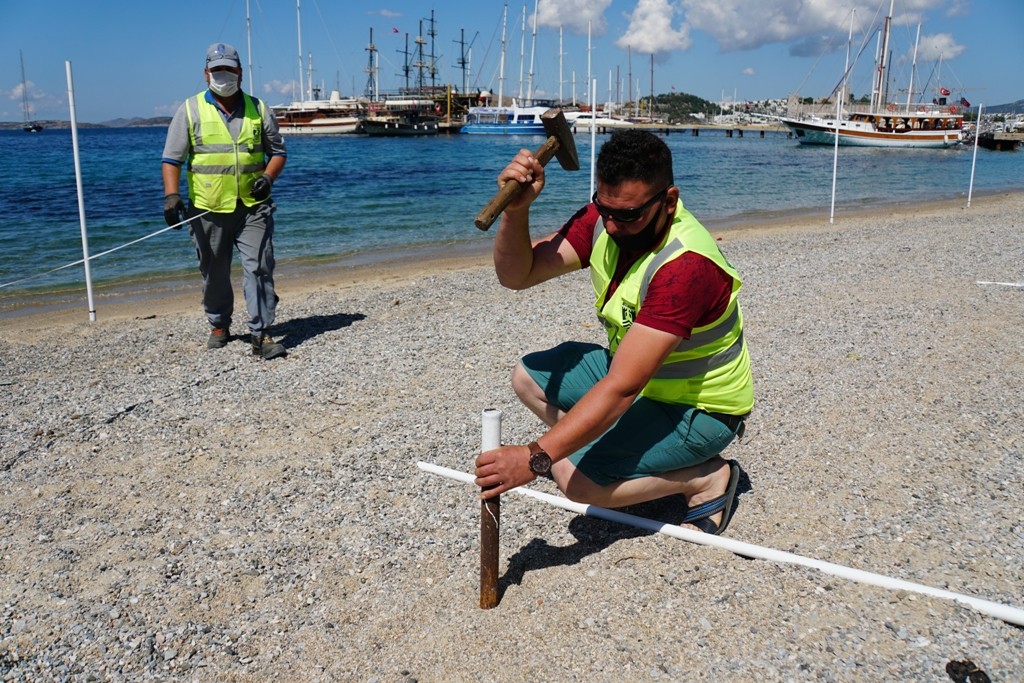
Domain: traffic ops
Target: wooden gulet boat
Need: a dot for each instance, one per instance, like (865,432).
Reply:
(934,125)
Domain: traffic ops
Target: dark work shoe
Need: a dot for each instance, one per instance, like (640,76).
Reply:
(219,338)
(264,345)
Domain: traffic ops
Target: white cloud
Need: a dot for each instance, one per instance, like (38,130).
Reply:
(749,71)
(280,87)
(939,45)
(811,26)
(650,29)
(574,15)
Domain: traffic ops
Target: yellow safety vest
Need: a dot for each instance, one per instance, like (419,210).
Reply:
(711,369)
(222,170)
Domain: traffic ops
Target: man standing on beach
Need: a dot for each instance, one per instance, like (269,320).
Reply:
(234,153)
(649,415)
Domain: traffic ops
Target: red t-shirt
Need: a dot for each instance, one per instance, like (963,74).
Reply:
(687,292)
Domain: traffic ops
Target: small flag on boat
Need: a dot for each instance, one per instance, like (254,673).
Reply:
(943,91)
(394,30)
(965,103)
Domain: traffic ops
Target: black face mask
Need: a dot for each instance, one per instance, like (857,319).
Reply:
(645,240)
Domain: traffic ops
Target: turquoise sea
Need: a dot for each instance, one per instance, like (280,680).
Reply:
(374,198)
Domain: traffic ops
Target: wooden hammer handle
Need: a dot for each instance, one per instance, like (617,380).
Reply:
(510,189)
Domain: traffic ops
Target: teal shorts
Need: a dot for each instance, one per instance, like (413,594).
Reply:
(650,438)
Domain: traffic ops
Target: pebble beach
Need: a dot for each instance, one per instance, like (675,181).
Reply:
(171,513)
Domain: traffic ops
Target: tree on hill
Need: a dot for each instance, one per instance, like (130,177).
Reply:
(677,107)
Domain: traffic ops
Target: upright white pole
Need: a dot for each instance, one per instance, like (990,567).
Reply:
(593,138)
(839,115)
(81,197)
(974,158)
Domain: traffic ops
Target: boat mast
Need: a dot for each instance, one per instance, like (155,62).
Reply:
(882,80)
(522,55)
(913,68)
(533,50)
(501,70)
(561,80)
(372,87)
(298,24)
(248,46)
(24,87)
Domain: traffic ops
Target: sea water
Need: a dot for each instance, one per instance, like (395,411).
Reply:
(380,197)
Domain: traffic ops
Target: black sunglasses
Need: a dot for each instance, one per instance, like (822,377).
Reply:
(627,215)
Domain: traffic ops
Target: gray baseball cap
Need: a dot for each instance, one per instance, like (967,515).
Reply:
(222,54)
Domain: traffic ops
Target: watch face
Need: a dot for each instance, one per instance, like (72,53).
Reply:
(540,463)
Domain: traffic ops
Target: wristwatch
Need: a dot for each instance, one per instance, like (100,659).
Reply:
(540,462)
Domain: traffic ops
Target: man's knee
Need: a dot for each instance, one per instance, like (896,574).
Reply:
(524,385)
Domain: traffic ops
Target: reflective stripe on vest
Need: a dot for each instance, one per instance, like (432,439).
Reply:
(222,169)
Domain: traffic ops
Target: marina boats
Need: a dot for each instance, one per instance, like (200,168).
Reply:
(334,116)
(29,126)
(402,117)
(886,124)
(512,120)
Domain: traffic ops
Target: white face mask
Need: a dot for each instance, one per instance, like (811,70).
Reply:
(224,83)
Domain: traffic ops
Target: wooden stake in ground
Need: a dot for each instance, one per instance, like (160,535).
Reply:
(490,516)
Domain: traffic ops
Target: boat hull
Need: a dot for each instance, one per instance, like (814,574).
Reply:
(502,129)
(865,134)
(512,120)
(325,126)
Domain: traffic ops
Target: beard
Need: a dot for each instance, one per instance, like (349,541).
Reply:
(645,240)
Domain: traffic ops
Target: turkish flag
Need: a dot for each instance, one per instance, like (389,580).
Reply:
(943,91)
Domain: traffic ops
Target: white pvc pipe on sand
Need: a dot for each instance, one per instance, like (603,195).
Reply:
(1007,613)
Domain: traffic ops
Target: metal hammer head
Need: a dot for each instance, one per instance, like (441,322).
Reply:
(557,127)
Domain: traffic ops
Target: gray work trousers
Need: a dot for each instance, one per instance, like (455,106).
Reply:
(215,235)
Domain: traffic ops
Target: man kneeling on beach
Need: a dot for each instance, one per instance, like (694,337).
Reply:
(649,415)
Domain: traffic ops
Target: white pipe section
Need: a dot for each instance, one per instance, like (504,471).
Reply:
(490,436)
(81,197)
(1007,613)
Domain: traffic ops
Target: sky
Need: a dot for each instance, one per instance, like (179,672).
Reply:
(143,58)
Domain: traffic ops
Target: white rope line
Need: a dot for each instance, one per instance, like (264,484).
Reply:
(1008,613)
(104,253)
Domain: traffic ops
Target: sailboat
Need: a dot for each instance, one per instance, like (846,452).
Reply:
(310,115)
(506,120)
(886,124)
(29,126)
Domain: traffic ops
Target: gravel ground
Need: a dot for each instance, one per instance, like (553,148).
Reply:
(172,513)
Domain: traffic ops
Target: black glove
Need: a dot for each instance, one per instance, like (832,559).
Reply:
(174,210)
(261,188)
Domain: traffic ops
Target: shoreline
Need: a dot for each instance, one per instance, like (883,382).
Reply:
(298,277)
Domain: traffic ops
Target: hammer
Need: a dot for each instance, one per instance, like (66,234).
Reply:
(560,144)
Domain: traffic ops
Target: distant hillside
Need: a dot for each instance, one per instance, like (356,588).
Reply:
(161,121)
(136,122)
(1012,108)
